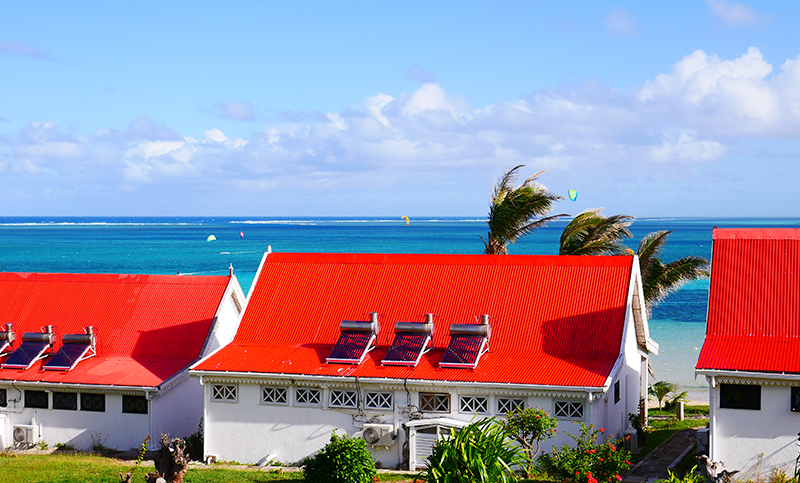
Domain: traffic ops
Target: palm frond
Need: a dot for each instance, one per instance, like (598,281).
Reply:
(675,274)
(516,211)
(660,280)
(591,233)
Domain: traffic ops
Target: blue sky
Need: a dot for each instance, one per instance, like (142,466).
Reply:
(684,108)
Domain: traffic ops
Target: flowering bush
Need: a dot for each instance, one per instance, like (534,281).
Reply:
(528,426)
(588,461)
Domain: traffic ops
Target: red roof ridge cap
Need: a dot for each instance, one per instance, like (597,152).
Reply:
(756,234)
(448,259)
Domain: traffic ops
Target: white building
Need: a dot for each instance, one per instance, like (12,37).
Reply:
(750,355)
(94,359)
(399,349)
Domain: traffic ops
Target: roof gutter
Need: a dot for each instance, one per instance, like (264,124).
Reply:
(714,373)
(96,387)
(377,380)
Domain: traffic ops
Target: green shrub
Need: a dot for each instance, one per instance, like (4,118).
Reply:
(528,426)
(671,404)
(343,460)
(587,461)
(479,452)
(194,443)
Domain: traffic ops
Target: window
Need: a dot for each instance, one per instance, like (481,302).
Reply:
(3,398)
(507,404)
(474,404)
(65,400)
(343,399)
(93,402)
(36,399)
(569,410)
(307,397)
(739,396)
(433,402)
(274,395)
(134,404)
(795,399)
(223,392)
(379,400)
(616,392)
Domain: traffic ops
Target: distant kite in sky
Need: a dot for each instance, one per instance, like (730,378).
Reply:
(241,234)
(211,238)
(407,220)
(573,195)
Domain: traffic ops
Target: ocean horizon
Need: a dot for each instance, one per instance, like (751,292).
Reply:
(178,245)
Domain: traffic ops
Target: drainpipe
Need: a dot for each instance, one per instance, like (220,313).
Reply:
(204,388)
(712,426)
(151,411)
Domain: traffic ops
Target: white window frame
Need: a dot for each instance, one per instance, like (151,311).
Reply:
(473,404)
(316,400)
(439,396)
(273,391)
(379,400)
(342,398)
(510,404)
(228,393)
(567,410)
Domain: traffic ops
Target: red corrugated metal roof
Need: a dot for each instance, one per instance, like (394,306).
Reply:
(148,327)
(754,302)
(556,320)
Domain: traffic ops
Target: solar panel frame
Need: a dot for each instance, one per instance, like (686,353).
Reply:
(4,346)
(407,349)
(464,351)
(26,354)
(351,347)
(70,354)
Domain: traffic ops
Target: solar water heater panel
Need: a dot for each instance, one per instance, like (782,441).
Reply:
(406,349)
(352,347)
(67,357)
(25,355)
(464,350)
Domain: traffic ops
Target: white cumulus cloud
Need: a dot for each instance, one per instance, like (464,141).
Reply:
(736,14)
(621,23)
(429,146)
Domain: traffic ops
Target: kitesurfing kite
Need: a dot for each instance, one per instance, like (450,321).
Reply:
(407,220)
(573,195)
(241,234)
(211,238)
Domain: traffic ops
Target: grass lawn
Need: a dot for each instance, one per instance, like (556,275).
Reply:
(53,468)
(687,411)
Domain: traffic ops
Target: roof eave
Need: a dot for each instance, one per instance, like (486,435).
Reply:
(792,376)
(95,387)
(379,380)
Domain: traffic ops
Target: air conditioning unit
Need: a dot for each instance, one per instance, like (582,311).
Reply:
(378,434)
(24,435)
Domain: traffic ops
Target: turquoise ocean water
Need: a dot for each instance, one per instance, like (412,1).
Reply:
(178,245)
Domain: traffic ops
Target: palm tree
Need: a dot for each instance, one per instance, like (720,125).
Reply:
(591,233)
(516,211)
(660,280)
(661,390)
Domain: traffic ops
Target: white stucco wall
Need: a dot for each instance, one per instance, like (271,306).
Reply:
(248,431)
(178,411)
(228,317)
(743,437)
(80,429)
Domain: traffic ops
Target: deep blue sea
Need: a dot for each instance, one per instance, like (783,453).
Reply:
(178,245)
